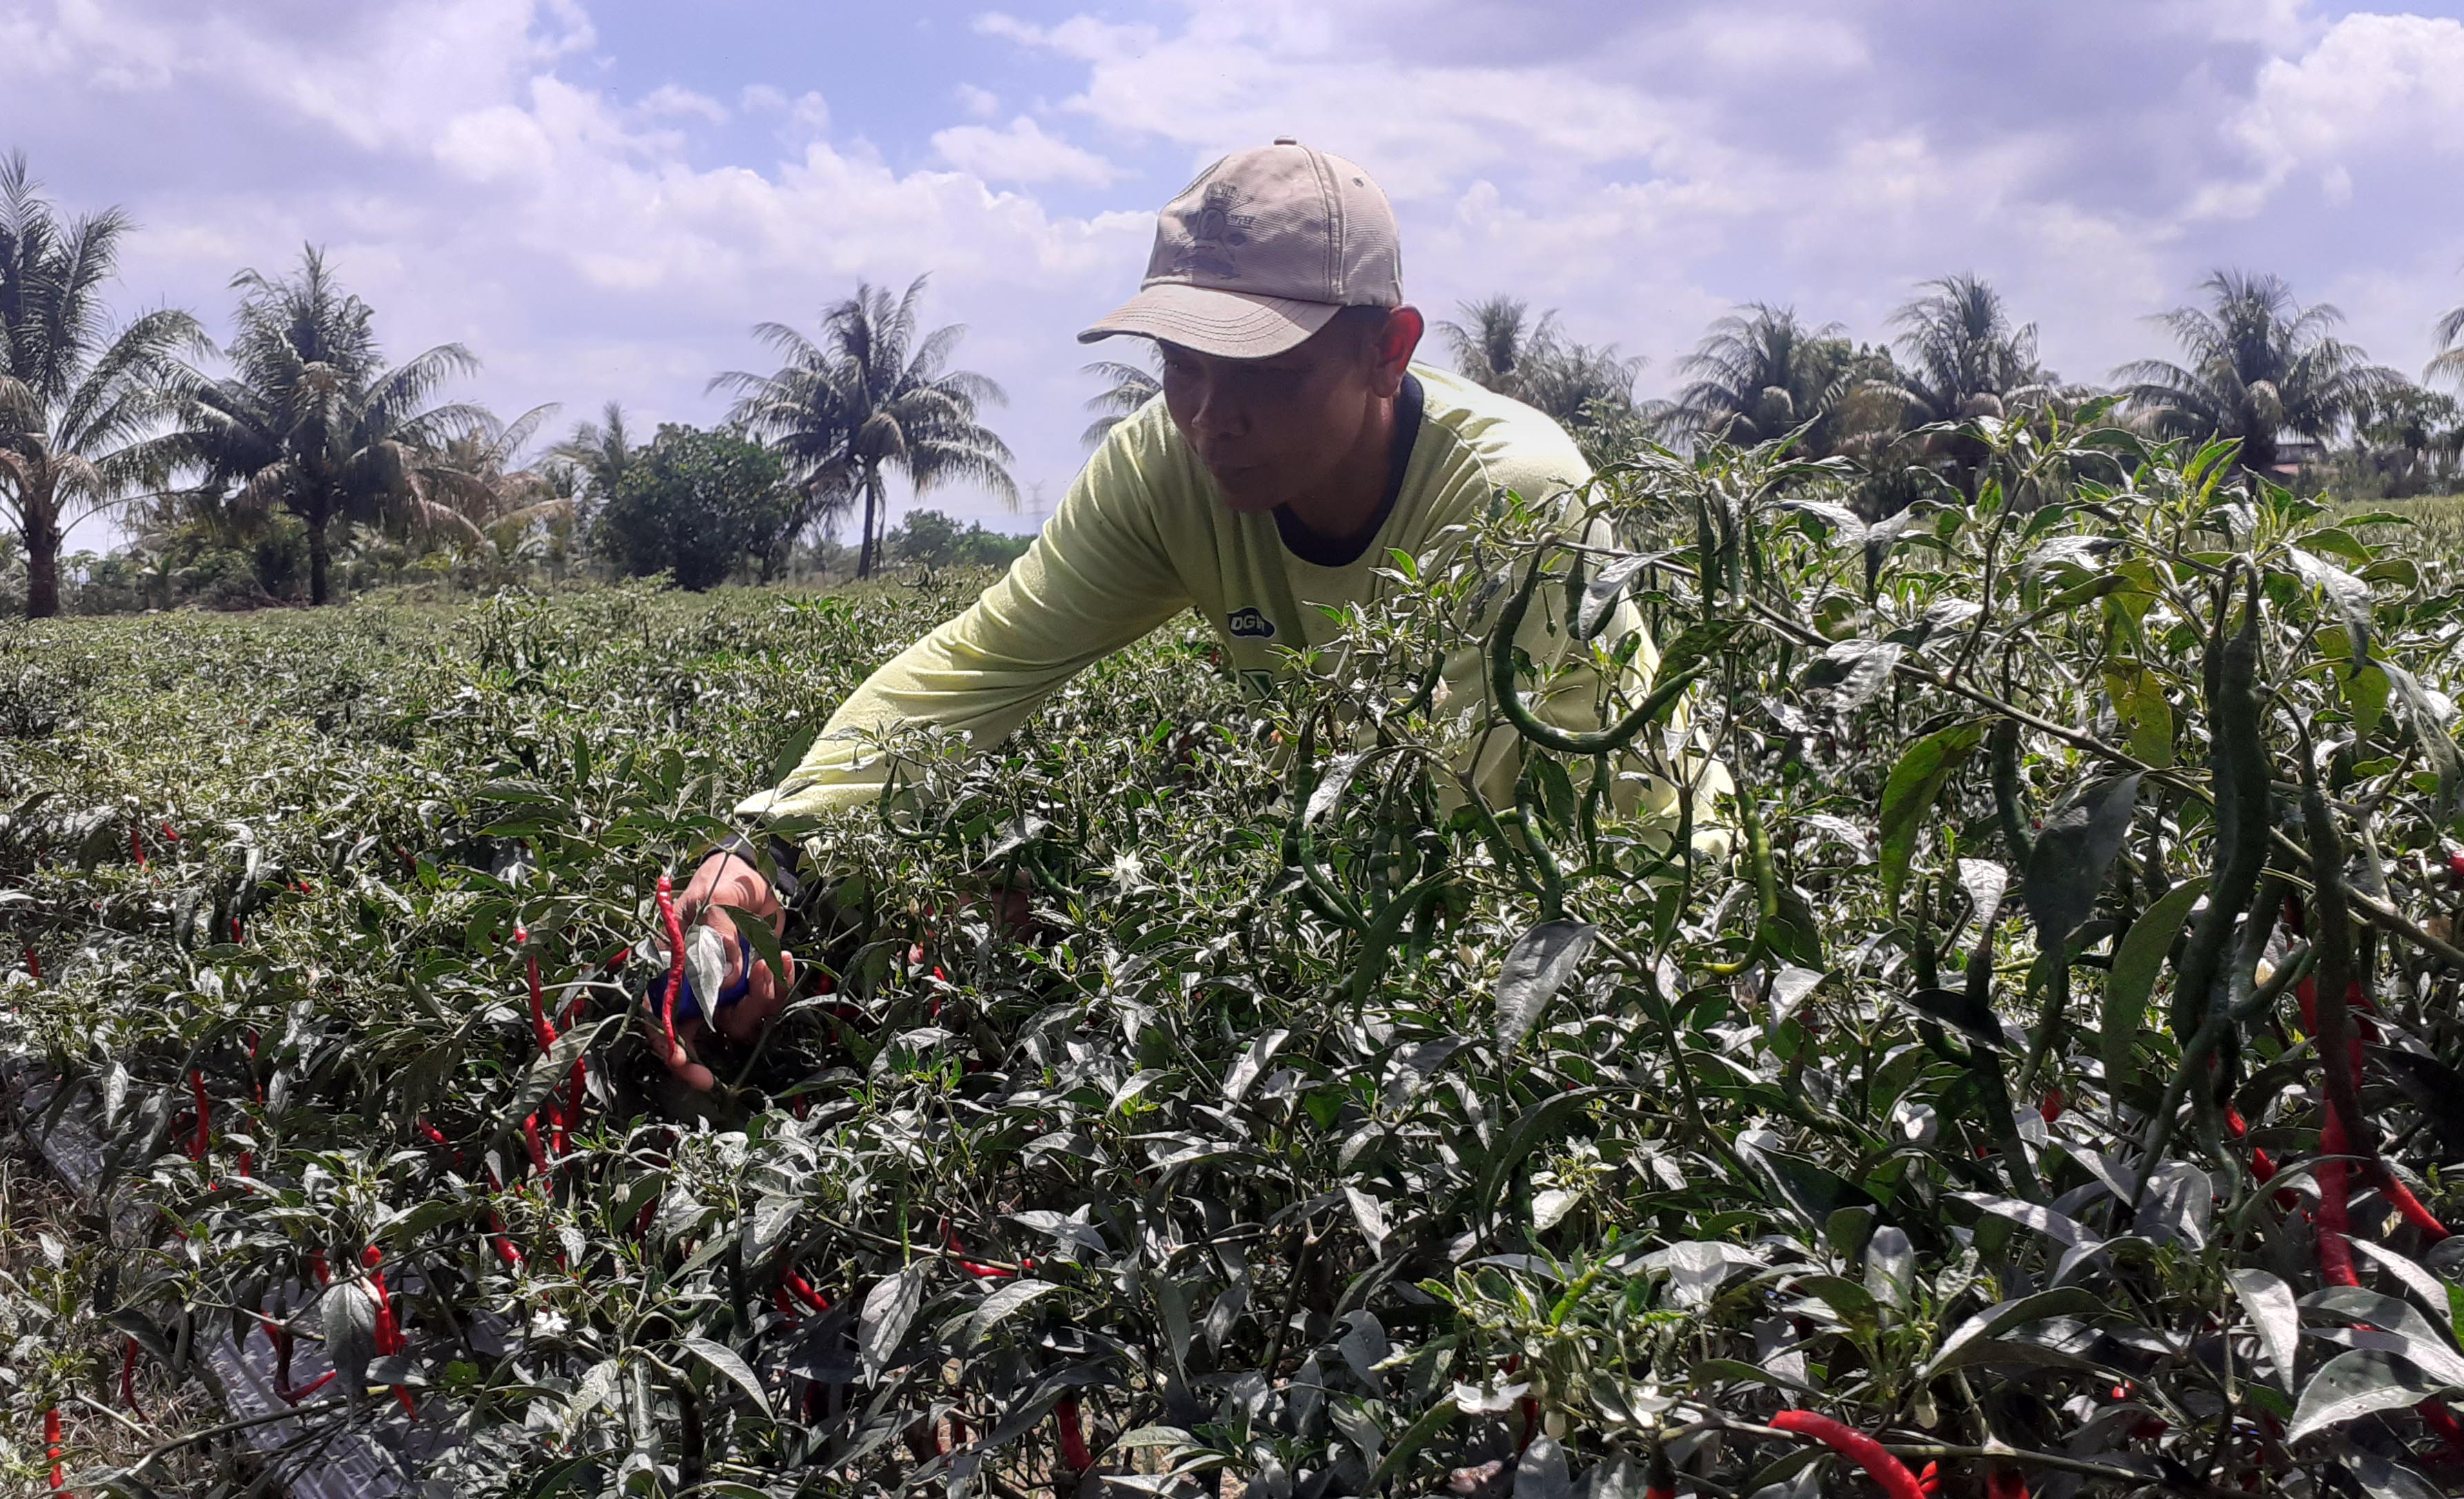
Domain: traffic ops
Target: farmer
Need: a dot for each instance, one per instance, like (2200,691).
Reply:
(1296,446)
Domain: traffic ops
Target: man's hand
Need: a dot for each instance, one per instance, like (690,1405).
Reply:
(727,879)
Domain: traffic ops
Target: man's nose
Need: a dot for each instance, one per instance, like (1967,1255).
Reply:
(1216,411)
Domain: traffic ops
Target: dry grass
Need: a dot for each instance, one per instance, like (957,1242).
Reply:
(56,1352)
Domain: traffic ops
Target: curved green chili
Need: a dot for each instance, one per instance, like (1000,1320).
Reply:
(1509,697)
(2239,768)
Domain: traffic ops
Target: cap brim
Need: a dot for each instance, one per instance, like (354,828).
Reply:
(1227,325)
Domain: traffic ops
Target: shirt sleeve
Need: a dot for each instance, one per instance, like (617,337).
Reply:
(1097,578)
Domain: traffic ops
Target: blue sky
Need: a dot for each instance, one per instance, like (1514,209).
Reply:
(600,198)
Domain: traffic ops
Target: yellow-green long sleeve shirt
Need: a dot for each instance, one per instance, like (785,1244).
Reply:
(1142,536)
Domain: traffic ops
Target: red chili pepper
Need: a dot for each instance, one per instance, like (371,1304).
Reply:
(950,1240)
(1929,1479)
(2005,1482)
(2052,1108)
(543,1029)
(1864,1451)
(247,1163)
(168,836)
(2335,1217)
(2407,1206)
(1073,1441)
(675,928)
(390,1339)
(238,936)
(803,1290)
(436,1138)
(316,1268)
(34,964)
(52,1445)
(203,1138)
(128,1377)
(137,845)
(279,1337)
(2443,1424)
(1662,1482)
(531,1139)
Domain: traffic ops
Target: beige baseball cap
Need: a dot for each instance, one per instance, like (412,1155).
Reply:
(1262,250)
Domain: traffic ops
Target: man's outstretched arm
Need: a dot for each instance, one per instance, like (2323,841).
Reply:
(1097,579)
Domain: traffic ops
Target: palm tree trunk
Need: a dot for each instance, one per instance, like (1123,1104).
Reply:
(42,558)
(320,556)
(871,507)
(42,579)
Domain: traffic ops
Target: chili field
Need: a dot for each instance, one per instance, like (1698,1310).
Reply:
(2030,1066)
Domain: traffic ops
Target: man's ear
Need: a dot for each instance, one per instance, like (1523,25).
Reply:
(1396,339)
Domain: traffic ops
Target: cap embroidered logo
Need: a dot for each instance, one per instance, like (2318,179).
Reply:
(1214,231)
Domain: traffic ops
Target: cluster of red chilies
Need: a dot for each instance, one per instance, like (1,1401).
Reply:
(2333,1222)
(562,1116)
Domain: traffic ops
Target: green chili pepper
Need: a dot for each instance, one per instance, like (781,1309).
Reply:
(2238,766)
(1510,696)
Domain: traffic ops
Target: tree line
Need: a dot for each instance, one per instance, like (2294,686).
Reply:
(295,434)
(258,464)
(2254,365)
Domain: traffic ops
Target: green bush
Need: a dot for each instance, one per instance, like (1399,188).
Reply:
(694,504)
(1325,1130)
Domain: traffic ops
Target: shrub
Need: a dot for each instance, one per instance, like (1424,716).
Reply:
(1325,1127)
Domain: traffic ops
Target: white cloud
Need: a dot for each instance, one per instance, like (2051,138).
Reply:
(1021,153)
(2371,85)
(478,177)
(807,114)
(668,100)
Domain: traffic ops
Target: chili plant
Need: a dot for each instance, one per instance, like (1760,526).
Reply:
(1973,989)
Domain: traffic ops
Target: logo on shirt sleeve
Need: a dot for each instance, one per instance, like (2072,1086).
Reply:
(1249,622)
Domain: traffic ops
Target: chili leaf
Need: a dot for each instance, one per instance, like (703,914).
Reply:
(1600,595)
(724,1360)
(2137,959)
(2353,1384)
(889,1309)
(2269,1301)
(1537,966)
(1916,782)
(2073,852)
(1003,1304)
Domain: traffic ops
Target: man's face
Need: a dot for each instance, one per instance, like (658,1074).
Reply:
(1273,429)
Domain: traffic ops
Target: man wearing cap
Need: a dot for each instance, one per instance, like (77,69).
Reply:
(1296,446)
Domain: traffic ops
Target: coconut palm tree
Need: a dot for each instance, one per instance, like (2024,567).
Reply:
(602,449)
(482,491)
(1580,385)
(1498,342)
(1960,353)
(1760,372)
(1126,387)
(78,398)
(310,419)
(2449,363)
(868,397)
(2260,366)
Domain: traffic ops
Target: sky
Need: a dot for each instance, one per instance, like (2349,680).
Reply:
(601,197)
